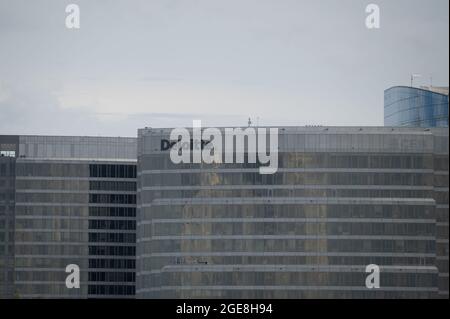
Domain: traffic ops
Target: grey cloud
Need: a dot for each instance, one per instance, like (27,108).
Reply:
(311,62)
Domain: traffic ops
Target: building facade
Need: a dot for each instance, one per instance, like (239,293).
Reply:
(416,107)
(7,214)
(74,204)
(138,225)
(342,199)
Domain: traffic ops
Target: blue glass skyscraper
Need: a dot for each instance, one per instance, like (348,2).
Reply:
(415,107)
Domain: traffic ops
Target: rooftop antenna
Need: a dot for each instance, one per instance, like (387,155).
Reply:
(431,80)
(413,76)
(249,122)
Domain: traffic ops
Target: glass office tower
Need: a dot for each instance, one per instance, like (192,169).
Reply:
(8,150)
(74,204)
(7,191)
(415,107)
(342,198)
(7,215)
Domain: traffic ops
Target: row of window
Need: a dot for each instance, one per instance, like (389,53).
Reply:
(261,278)
(268,293)
(75,198)
(307,246)
(7,168)
(112,250)
(56,236)
(112,211)
(7,197)
(112,186)
(7,153)
(74,184)
(275,210)
(6,183)
(52,169)
(267,192)
(287,178)
(112,263)
(55,224)
(315,160)
(112,224)
(289,228)
(112,276)
(112,199)
(111,290)
(72,198)
(55,184)
(283,260)
(5,209)
(46,250)
(112,171)
(112,237)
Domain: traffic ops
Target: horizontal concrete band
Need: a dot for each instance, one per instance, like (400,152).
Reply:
(302,288)
(285,170)
(74,160)
(236,220)
(71,217)
(78,192)
(30,282)
(69,243)
(75,257)
(65,204)
(67,230)
(292,186)
(76,295)
(252,200)
(284,254)
(287,220)
(74,178)
(285,237)
(43,269)
(291,200)
(293,268)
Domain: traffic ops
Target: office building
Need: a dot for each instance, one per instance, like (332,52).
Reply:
(139,225)
(342,198)
(416,107)
(7,212)
(74,200)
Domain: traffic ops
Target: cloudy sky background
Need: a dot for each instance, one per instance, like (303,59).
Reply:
(163,63)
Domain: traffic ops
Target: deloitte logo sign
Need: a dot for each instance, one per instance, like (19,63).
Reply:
(229,145)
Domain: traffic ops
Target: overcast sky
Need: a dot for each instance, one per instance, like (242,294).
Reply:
(163,63)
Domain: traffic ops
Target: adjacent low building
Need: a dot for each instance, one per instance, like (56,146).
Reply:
(74,202)
(7,212)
